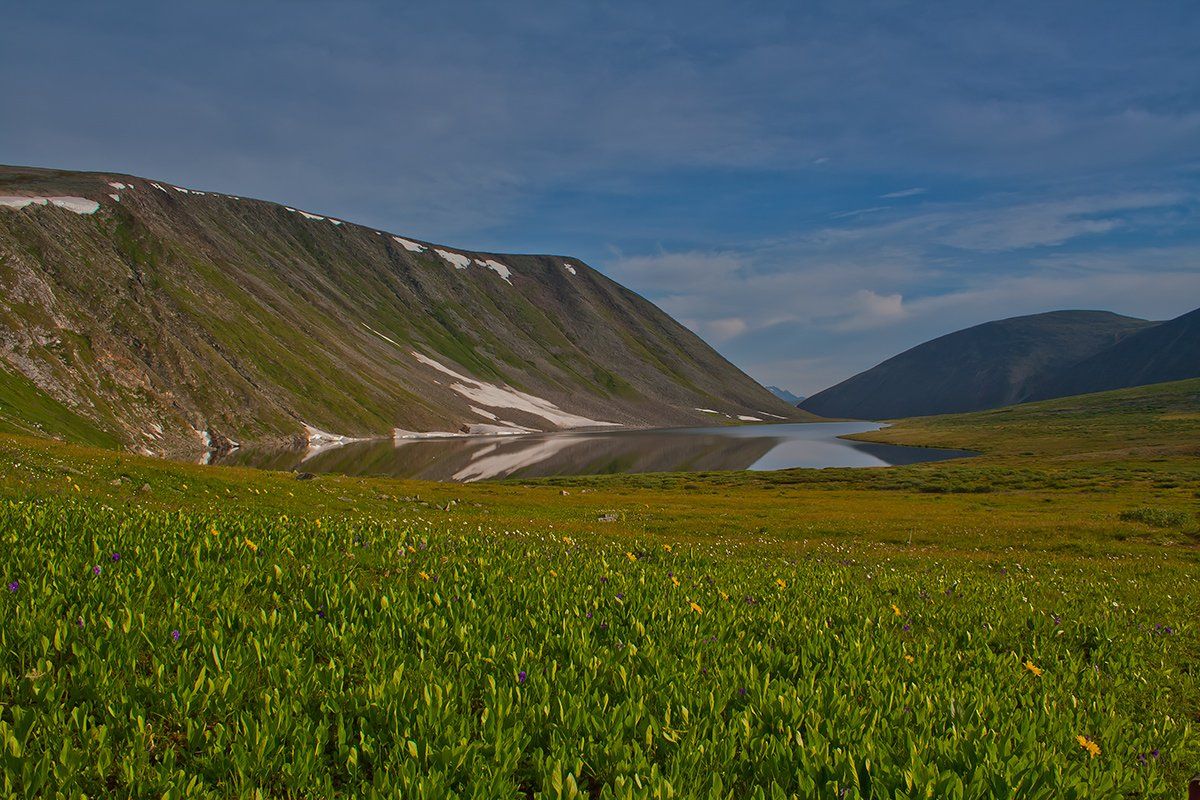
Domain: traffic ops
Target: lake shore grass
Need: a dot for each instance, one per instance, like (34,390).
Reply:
(956,627)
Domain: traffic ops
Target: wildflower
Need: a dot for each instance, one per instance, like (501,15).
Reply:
(553,574)
(321,613)
(896,609)
(1035,670)
(317,523)
(696,607)
(424,575)
(906,627)
(674,580)
(909,658)
(14,585)
(253,547)
(521,676)
(742,691)
(723,595)
(96,570)
(631,556)
(175,635)
(116,557)
(1089,745)
(667,547)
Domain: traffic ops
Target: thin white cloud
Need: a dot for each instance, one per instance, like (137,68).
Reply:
(913,192)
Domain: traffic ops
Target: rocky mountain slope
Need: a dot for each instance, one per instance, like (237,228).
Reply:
(986,366)
(168,319)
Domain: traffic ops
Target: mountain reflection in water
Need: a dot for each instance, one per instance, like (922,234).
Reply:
(753,447)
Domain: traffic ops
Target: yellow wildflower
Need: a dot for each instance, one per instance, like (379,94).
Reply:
(318,523)
(667,547)
(723,595)
(553,574)
(674,580)
(631,556)
(1035,670)
(253,547)
(908,658)
(1089,745)
(696,607)
(896,609)
(782,583)
(424,575)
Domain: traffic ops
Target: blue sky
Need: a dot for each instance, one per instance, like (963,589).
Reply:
(811,187)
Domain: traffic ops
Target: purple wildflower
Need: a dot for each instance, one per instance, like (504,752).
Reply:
(620,595)
(116,556)
(521,676)
(14,585)
(321,613)
(96,570)
(175,635)
(907,627)
(742,691)
(589,615)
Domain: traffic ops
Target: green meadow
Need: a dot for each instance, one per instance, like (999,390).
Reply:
(1020,624)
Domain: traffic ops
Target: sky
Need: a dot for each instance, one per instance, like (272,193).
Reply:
(811,187)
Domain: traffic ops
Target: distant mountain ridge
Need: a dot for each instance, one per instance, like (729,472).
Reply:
(1008,361)
(172,319)
(785,395)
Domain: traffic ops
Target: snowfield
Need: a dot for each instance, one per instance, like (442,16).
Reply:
(457,259)
(493,396)
(498,268)
(80,205)
(412,247)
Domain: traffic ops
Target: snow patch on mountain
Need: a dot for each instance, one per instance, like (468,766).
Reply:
(493,396)
(412,247)
(457,259)
(568,268)
(80,205)
(501,270)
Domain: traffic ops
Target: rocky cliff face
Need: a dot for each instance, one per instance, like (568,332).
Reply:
(170,318)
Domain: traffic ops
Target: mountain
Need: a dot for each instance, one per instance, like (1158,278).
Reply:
(169,318)
(986,366)
(1169,351)
(785,395)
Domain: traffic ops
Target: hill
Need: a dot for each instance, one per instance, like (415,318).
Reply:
(986,366)
(169,318)
(1166,352)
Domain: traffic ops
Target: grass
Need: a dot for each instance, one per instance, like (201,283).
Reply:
(944,630)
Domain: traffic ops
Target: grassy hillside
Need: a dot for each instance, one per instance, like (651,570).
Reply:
(1143,422)
(985,366)
(25,409)
(142,306)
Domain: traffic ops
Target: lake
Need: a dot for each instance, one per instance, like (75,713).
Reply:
(475,458)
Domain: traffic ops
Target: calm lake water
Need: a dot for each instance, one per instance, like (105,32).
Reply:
(752,447)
